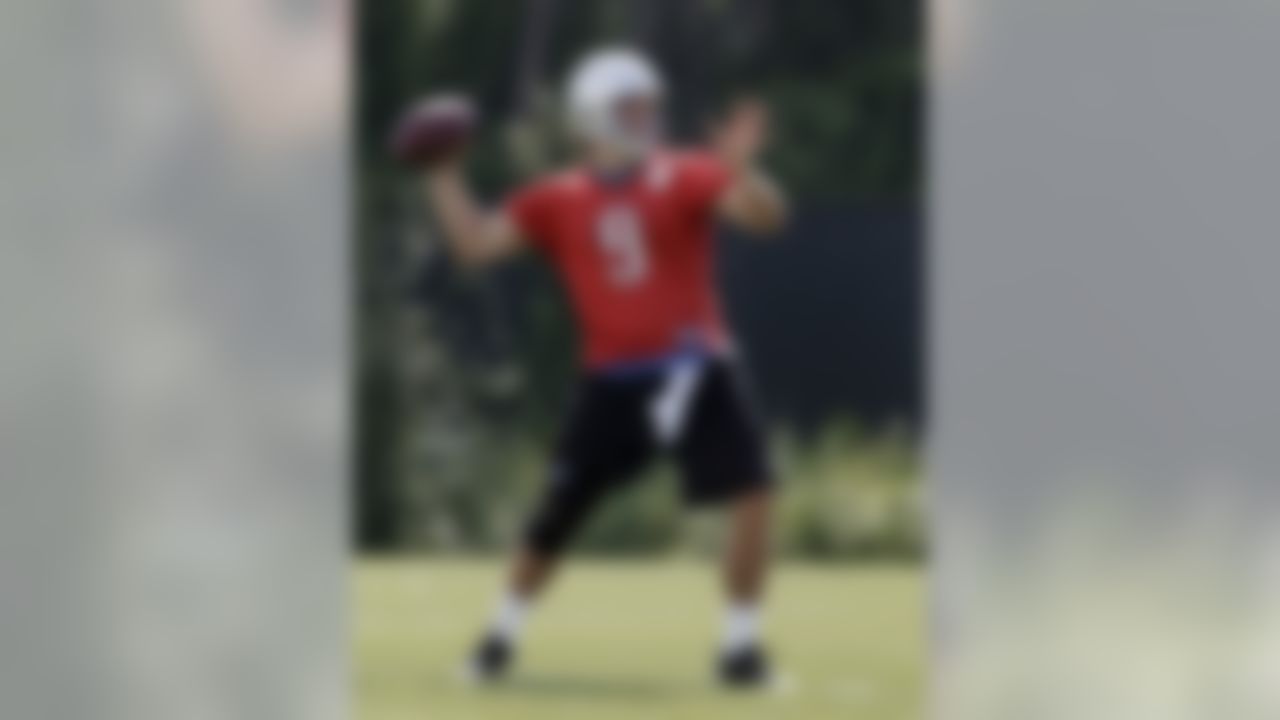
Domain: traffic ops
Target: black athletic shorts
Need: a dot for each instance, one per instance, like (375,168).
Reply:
(698,412)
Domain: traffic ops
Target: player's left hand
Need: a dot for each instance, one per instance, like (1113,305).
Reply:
(743,133)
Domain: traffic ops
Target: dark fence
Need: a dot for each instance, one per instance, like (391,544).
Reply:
(830,317)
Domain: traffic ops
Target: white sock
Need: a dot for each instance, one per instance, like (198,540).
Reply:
(741,626)
(509,617)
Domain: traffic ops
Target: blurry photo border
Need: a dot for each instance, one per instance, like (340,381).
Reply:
(174,386)
(1102,352)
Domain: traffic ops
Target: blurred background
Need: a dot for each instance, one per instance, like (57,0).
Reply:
(462,378)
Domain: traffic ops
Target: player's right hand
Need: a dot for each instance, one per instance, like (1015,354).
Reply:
(434,131)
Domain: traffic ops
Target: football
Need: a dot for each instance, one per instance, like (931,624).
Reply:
(433,129)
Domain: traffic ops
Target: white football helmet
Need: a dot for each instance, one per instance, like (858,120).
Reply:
(598,86)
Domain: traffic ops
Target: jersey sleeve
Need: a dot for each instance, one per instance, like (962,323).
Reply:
(532,209)
(703,178)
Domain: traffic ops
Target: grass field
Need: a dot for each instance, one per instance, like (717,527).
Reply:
(627,640)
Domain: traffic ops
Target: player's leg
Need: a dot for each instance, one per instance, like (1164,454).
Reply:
(725,462)
(604,445)
(562,511)
(747,555)
(746,568)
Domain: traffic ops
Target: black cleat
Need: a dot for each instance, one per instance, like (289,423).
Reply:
(491,660)
(745,669)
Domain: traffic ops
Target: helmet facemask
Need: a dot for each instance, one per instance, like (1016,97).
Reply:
(638,126)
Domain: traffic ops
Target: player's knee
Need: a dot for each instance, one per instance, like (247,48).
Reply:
(547,539)
(560,515)
(550,531)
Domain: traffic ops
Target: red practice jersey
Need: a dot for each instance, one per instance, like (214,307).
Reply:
(636,255)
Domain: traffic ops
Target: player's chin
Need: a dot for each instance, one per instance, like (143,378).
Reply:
(446,161)
(639,147)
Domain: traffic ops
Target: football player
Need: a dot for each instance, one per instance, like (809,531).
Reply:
(630,232)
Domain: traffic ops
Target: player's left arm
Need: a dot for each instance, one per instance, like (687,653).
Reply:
(751,199)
